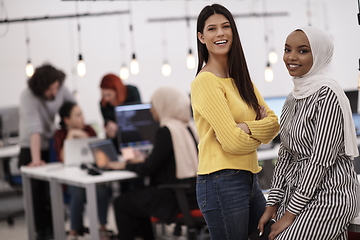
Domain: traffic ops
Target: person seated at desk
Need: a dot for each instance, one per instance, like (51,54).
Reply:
(72,126)
(173,160)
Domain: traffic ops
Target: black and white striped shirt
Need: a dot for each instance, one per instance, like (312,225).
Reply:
(313,178)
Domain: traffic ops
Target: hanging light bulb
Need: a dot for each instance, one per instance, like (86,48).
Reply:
(134,65)
(166,69)
(269,74)
(76,96)
(273,57)
(81,68)
(29,69)
(124,72)
(190,61)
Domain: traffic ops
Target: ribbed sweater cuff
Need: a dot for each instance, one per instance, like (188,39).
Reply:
(263,130)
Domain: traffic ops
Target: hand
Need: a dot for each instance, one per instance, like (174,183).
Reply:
(36,163)
(139,157)
(111,129)
(244,127)
(281,224)
(263,113)
(270,213)
(116,165)
(76,133)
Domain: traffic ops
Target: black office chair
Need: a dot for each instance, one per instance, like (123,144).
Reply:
(192,219)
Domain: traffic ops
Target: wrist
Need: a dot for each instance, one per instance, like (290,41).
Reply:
(289,215)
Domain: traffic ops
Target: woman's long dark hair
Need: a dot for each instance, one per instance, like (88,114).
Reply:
(237,63)
(65,111)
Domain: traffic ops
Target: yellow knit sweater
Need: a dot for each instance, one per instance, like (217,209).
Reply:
(218,108)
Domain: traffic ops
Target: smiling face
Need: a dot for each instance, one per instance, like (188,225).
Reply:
(217,35)
(297,57)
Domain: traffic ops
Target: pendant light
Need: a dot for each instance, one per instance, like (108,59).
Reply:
(269,74)
(81,68)
(190,60)
(124,71)
(166,68)
(134,65)
(29,69)
(273,57)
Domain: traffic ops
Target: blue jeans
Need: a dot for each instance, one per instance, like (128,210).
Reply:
(231,202)
(78,199)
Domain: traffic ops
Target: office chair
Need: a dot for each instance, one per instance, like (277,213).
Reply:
(16,184)
(192,219)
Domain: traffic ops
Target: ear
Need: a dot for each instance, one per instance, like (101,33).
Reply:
(66,121)
(201,37)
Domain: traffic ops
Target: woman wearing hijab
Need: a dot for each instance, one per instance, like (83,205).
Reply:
(314,188)
(173,160)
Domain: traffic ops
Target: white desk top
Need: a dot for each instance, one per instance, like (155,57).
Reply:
(9,151)
(77,175)
(44,171)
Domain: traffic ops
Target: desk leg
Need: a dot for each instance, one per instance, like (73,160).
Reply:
(92,210)
(28,205)
(57,207)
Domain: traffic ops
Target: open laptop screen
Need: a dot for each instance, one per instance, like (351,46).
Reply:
(103,152)
(137,128)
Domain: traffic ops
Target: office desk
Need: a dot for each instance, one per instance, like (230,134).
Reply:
(9,151)
(41,173)
(57,174)
(76,177)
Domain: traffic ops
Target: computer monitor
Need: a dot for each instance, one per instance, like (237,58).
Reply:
(276,104)
(353,99)
(9,123)
(137,128)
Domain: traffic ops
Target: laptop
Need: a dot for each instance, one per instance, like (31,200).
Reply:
(77,151)
(103,151)
(137,128)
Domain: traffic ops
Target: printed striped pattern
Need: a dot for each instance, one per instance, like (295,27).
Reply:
(313,178)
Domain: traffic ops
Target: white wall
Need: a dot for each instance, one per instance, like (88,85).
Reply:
(56,41)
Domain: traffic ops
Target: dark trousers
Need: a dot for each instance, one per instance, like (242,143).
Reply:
(130,220)
(40,194)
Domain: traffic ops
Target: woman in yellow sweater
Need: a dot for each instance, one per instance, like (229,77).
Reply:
(232,120)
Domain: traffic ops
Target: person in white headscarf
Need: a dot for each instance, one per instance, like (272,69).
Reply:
(314,188)
(173,160)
